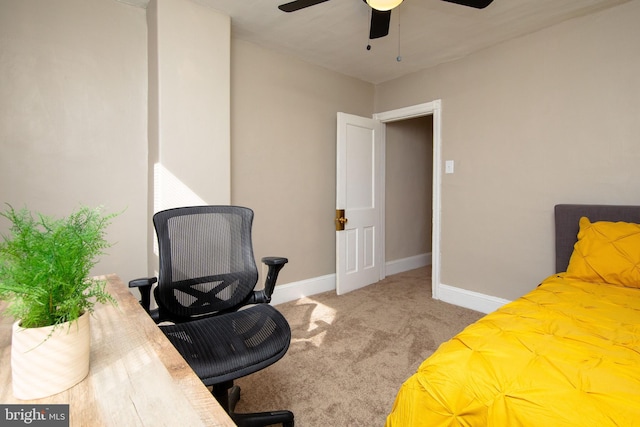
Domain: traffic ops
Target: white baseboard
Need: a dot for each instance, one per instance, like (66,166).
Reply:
(470,299)
(449,294)
(406,264)
(304,288)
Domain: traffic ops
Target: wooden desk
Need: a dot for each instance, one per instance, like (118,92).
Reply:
(136,378)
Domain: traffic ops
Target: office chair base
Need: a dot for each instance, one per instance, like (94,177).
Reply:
(229,395)
(263,419)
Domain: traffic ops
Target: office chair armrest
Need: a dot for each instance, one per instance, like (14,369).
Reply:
(263,296)
(275,264)
(144,285)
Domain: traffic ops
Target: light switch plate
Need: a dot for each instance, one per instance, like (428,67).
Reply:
(448,166)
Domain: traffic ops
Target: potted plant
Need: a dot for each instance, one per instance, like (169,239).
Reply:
(44,276)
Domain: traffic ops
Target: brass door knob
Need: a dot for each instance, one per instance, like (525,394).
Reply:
(340,219)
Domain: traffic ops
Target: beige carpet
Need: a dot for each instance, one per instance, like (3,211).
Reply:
(349,354)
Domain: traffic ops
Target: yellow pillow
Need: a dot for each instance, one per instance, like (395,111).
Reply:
(607,252)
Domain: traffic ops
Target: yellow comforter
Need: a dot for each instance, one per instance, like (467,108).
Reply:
(566,354)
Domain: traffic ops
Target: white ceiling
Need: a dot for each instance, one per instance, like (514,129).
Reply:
(425,33)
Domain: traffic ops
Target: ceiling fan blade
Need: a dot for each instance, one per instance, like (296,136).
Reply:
(299,4)
(478,4)
(379,23)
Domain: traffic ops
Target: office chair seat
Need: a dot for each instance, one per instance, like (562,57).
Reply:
(231,345)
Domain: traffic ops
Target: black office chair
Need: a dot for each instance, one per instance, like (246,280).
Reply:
(221,326)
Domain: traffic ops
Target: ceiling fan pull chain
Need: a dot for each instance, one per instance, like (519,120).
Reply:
(369,38)
(399,57)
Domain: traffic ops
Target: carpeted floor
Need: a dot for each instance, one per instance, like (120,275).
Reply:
(349,354)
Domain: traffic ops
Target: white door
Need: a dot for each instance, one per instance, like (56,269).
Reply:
(359,246)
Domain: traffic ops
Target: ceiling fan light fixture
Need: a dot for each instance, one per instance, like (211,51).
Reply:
(383,5)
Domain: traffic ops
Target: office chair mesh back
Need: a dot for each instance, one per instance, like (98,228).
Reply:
(206,259)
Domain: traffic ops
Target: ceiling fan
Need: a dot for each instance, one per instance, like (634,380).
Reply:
(380,19)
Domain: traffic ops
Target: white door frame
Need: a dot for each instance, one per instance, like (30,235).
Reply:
(430,108)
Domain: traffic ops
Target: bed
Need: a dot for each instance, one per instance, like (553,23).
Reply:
(565,354)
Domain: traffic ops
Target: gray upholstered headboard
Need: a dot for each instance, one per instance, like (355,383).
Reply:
(568,216)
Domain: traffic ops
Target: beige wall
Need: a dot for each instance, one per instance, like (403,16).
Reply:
(552,117)
(73,116)
(189,106)
(74,125)
(283,153)
(408,188)
(547,118)
(191,48)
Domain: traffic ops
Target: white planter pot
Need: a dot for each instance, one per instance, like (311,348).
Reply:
(44,363)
